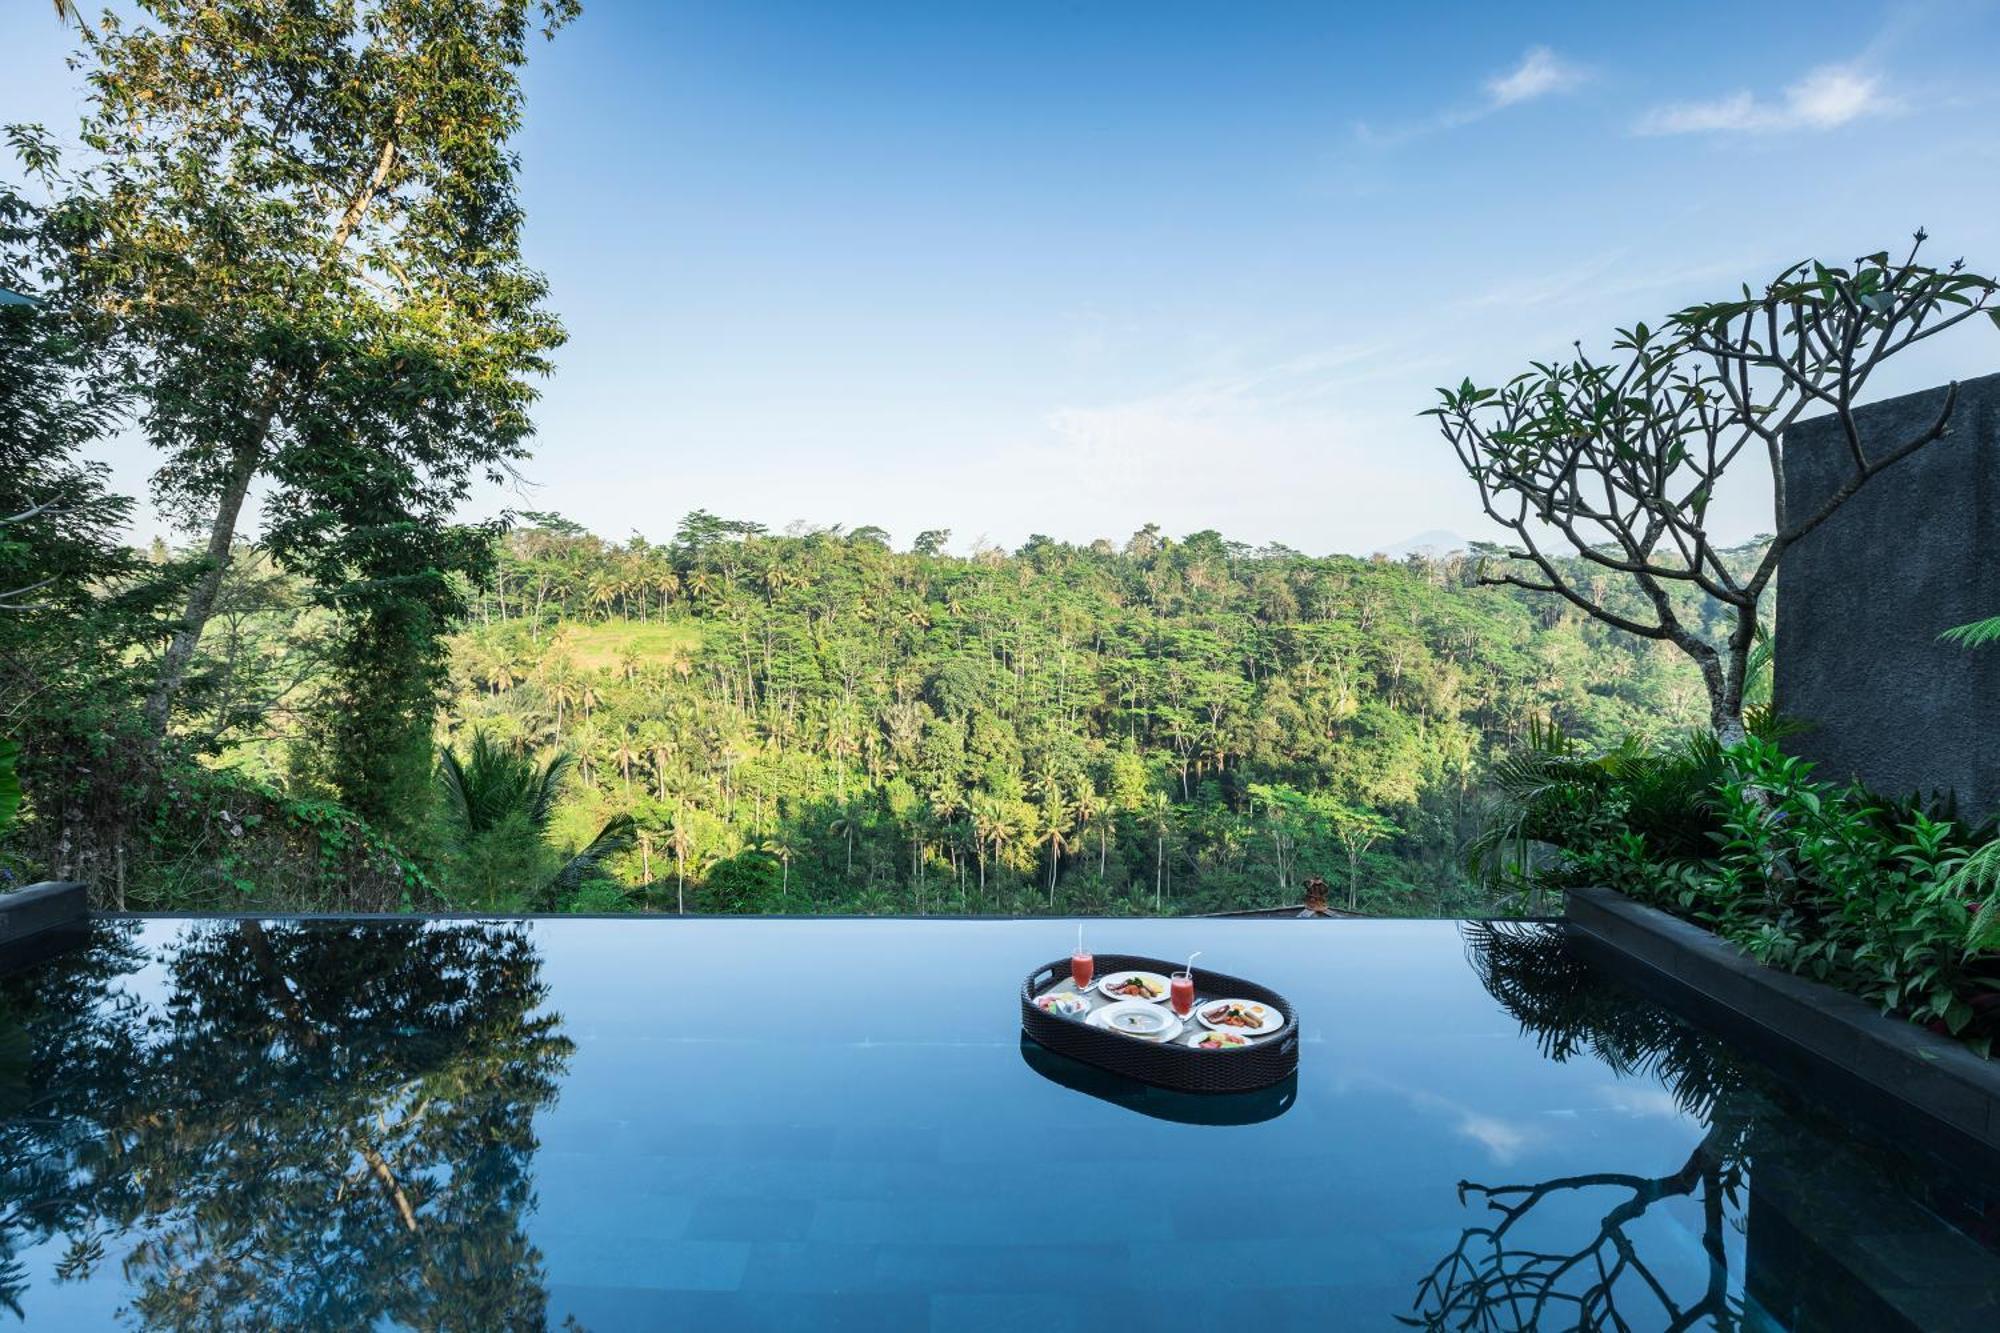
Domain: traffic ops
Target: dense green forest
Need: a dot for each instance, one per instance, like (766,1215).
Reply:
(344,695)
(816,722)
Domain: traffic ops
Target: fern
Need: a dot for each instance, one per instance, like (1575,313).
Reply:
(1978,880)
(1976,635)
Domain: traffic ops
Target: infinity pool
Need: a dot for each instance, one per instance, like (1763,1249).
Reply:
(717,1125)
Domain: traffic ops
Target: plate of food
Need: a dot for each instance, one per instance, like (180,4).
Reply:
(1245,1016)
(1207,1039)
(1147,987)
(1063,1004)
(1137,1018)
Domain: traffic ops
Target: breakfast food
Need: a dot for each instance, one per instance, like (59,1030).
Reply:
(1220,1041)
(1136,988)
(1235,1014)
(1064,1004)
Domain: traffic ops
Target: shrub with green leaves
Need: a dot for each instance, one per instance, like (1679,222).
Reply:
(1881,898)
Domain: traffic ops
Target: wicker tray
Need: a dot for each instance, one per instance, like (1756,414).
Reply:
(1165,1065)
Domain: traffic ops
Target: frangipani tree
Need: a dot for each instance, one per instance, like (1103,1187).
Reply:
(1619,460)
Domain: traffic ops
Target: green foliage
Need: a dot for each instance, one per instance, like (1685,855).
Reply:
(746,882)
(1617,459)
(217,841)
(10,784)
(498,804)
(1890,900)
(289,253)
(1188,725)
(1975,635)
(493,784)
(303,224)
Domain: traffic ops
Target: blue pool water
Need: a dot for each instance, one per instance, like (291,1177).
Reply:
(718,1125)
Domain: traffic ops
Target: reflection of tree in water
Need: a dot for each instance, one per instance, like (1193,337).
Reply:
(1495,1279)
(329,1125)
(68,1044)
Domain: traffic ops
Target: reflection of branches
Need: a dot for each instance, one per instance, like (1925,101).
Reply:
(1493,1280)
(68,1036)
(1489,1282)
(1555,995)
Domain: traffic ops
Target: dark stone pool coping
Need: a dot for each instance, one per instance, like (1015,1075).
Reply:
(40,907)
(40,921)
(1880,1066)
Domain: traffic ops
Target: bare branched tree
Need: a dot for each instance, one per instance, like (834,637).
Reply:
(1620,459)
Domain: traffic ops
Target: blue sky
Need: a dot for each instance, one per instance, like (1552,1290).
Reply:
(1070,268)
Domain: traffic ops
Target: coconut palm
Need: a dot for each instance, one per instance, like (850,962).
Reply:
(681,840)
(1052,834)
(625,754)
(847,821)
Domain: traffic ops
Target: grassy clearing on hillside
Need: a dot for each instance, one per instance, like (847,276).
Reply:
(598,647)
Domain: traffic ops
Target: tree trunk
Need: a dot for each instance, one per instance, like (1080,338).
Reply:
(243,465)
(201,598)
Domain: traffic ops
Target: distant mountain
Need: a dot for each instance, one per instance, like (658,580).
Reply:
(1438,541)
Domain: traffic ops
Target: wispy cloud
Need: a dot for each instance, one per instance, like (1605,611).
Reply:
(1540,73)
(1825,99)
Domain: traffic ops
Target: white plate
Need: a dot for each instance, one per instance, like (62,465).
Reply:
(1107,1018)
(1195,1037)
(1274,1018)
(1063,1004)
(1104,986)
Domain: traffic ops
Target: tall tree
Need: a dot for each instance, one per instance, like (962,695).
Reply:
(1621,459)
(306,214)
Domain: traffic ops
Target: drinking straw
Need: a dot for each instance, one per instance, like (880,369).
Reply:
(1079,937)
(1190,963)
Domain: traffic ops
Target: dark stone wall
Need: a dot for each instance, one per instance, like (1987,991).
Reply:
(1863,598)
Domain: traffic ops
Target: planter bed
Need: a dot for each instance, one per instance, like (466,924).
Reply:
(1836,1043)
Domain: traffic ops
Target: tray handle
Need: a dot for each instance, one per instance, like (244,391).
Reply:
(1042,977)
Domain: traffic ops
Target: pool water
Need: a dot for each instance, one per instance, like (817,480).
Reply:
(716,1125)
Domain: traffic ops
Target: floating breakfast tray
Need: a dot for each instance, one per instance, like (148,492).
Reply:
(1265,1061)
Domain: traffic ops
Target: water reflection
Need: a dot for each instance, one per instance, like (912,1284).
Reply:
(1187,1108)
(314,1124)
(1827,1231)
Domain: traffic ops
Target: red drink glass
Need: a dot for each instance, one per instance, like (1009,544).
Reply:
(1183,993)
(1081,968)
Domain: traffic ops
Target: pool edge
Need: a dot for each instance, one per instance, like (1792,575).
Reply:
(1879,1065)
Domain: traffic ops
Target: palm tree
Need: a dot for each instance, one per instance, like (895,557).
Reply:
(494,783)
(666,583)
(1052,835)
(586,736)
(561,685)
(1088,810)
(1161,811)
(986,826)
(846,823)
(659,745)
(677,835)
(779,844)
(625,754)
